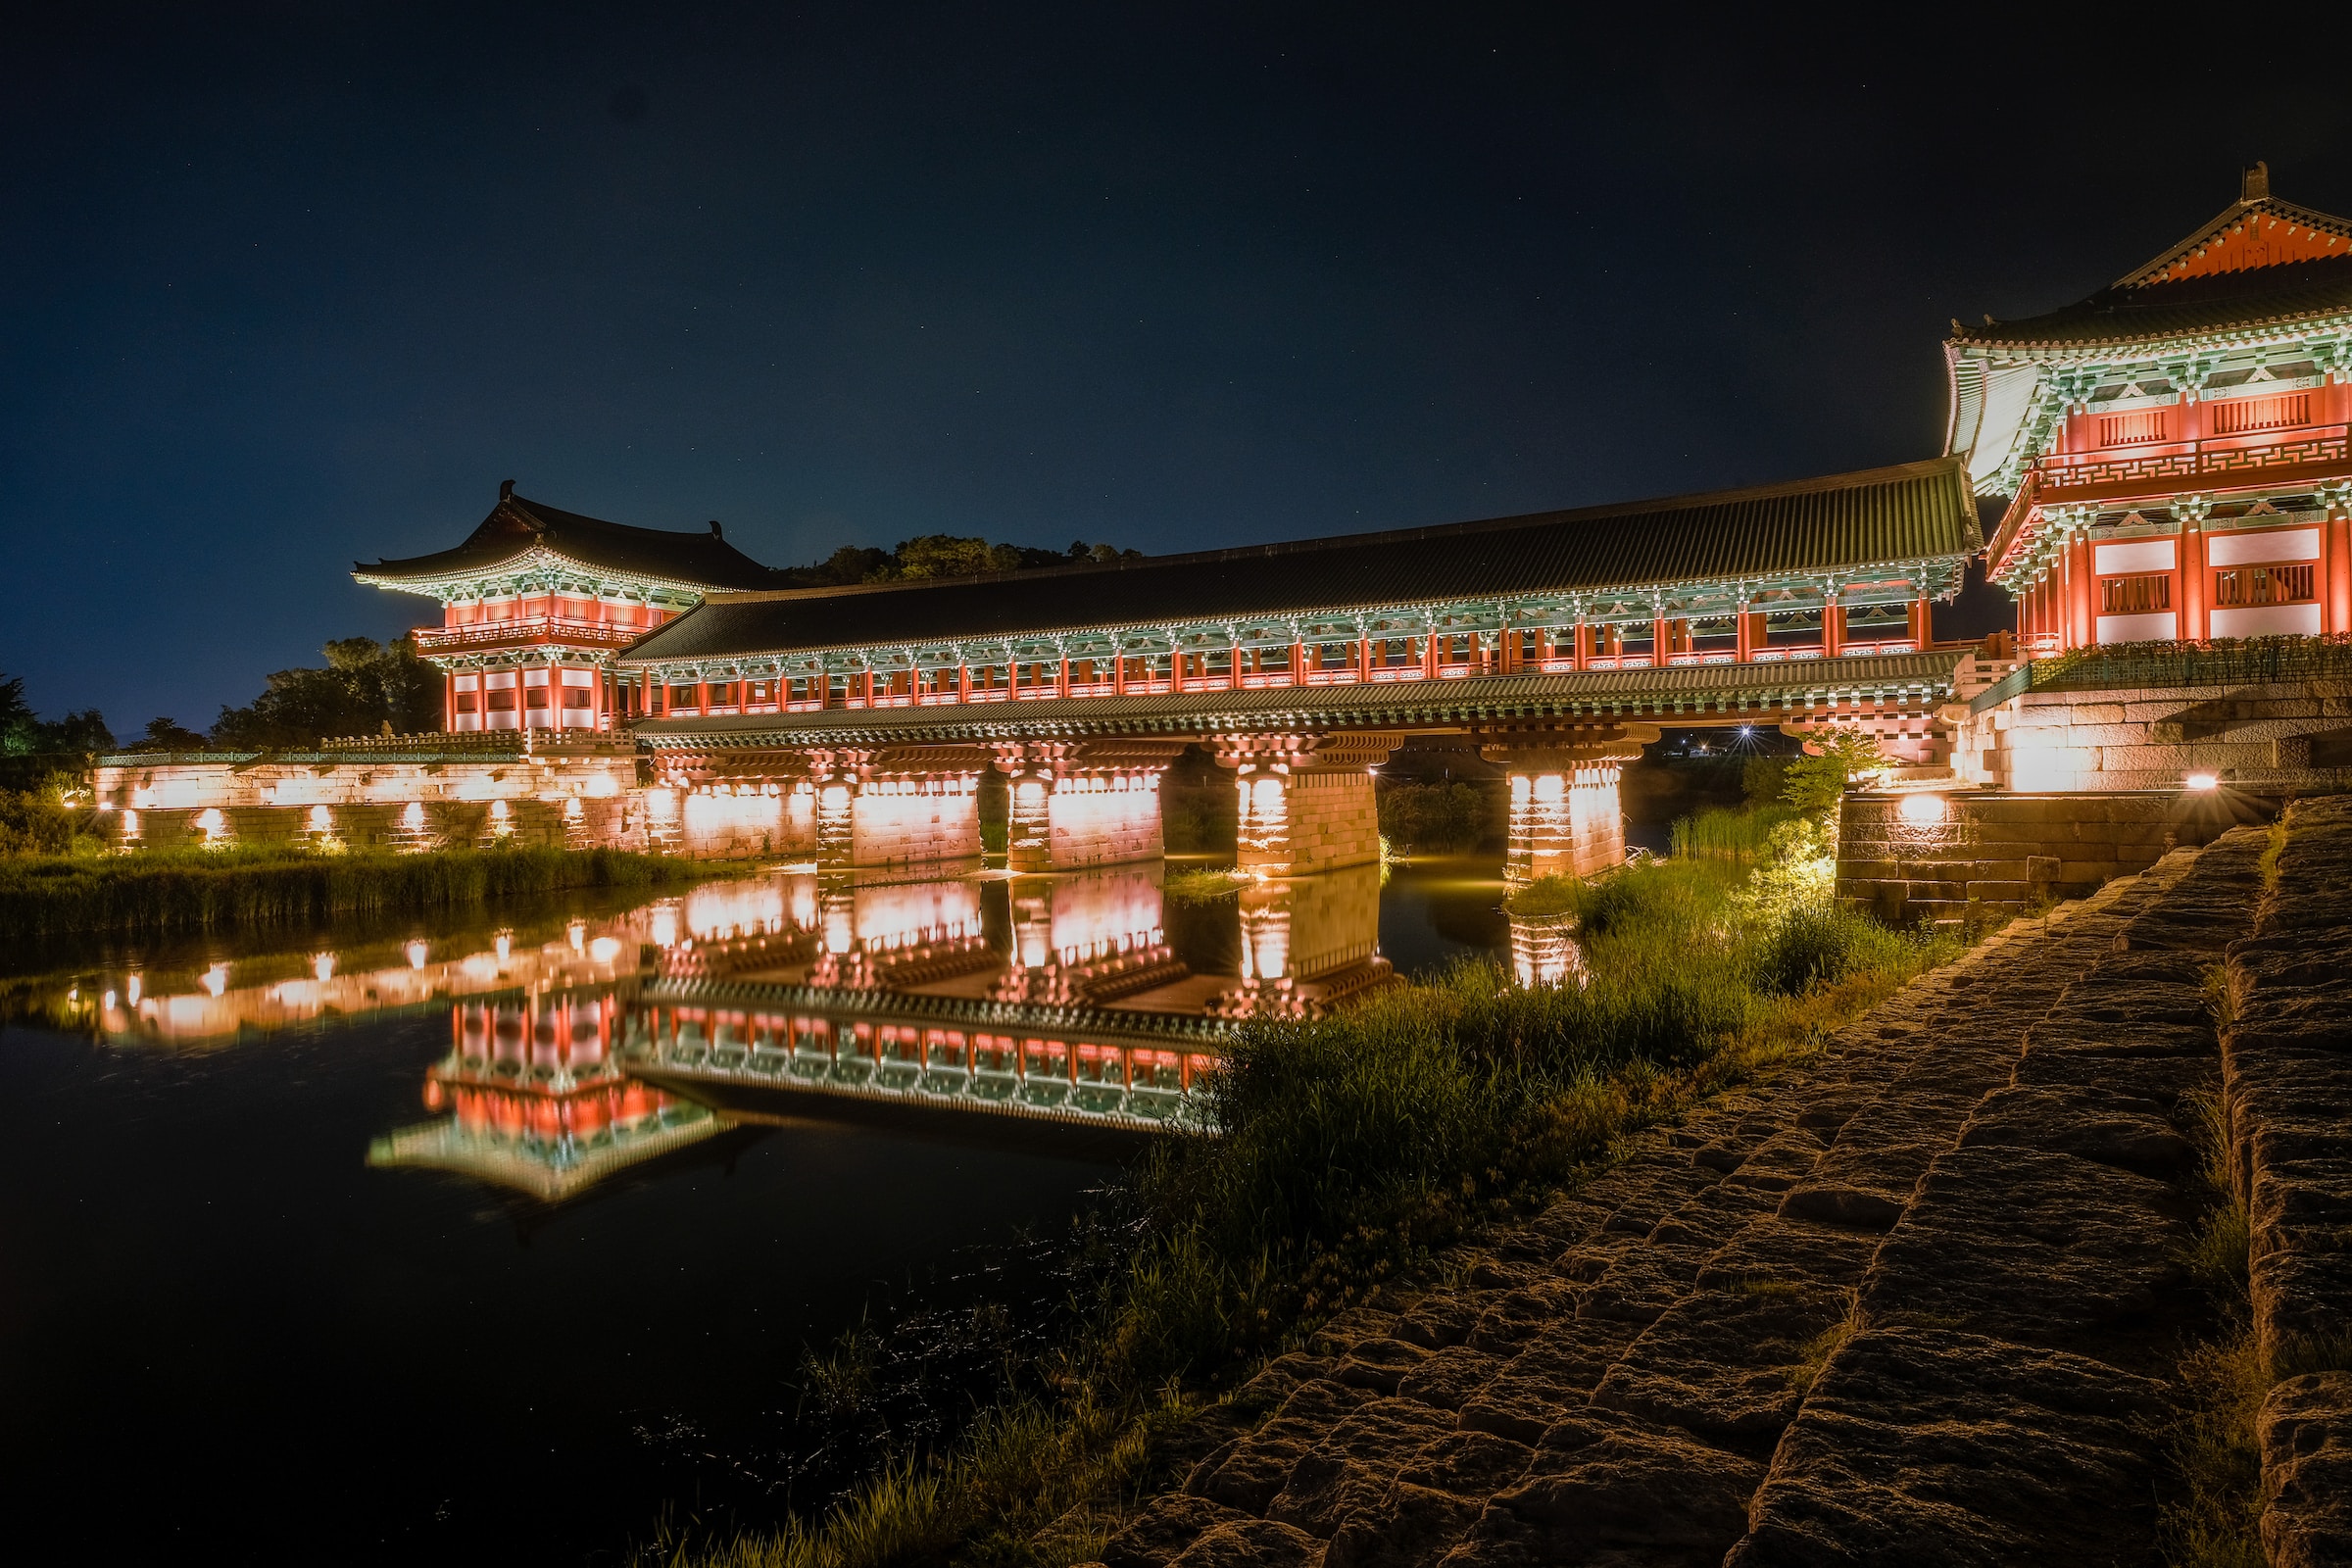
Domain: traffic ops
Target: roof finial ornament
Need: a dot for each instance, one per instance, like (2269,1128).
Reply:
(716,532)
(506,489)
(2257,186)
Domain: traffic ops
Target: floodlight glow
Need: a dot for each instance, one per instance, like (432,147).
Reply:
(1923,810)
(2204,781)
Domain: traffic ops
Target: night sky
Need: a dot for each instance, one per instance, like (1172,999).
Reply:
(285,286)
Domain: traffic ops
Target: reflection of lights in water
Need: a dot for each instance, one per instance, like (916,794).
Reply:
(664,926)
(804,900)
(505,943)
(604,949)
(1104,912)
(322,966)
(734,908)
(577,934)
(1545,953)
(915,912)
(216,979)
(416,955)
(107,1001)
(1921,810)
(131,989)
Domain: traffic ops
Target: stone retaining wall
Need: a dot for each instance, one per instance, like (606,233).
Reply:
(2292,737)
(1920,1302)
(2288,1064)
(1983,855)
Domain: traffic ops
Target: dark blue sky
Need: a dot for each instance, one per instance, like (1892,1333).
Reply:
(290,285)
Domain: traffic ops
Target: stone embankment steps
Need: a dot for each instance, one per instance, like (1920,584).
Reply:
(2287,1062)
(1971,1201)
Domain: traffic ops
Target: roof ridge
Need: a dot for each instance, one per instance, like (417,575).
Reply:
(2255,199)
(1854,480)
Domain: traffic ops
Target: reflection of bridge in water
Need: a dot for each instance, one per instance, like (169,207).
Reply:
(1061,996)
(580,1045)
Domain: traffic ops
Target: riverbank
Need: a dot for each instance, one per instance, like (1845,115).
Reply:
(170,892)
(1350,1156)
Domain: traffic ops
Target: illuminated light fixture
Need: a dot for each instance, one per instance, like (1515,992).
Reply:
(211,823)
(1923,810)
(321,820)
(412,818)
(2201,782)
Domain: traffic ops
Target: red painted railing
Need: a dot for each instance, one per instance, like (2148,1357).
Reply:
(2061,472)
(528,629)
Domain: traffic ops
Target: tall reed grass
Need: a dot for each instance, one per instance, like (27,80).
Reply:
(201,890)
(1330,1161)
(1729,833)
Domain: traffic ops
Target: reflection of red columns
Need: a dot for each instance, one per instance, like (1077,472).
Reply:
(449,702)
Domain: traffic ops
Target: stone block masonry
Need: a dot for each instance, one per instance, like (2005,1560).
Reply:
(1980,856)
(1917,1302)
(1301,824)
(2288,738)
(2287,1084)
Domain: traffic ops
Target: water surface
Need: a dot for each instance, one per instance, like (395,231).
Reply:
(367,1243)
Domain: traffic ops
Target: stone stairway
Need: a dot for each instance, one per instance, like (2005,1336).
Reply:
(1915,1304)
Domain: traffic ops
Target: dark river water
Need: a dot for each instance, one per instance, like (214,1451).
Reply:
(487,1238)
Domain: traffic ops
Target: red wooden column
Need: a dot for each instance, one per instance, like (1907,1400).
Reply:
(702,696)
(2086,626)
(1832,627)
(2190,569)
(2338,548)
(1657,642)
(1743,635)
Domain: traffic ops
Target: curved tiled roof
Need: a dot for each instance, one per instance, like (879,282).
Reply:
(2192,307)
(1919,511)
(517,526)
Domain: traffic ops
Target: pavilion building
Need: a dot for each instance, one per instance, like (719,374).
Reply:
(2175,443)
(536,601)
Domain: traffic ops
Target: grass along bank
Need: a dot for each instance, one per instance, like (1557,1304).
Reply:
(1334,1161)
(156,892)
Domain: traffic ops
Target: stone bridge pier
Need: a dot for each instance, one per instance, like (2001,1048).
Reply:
(897,806)
(1077,804)
(1567,816)
(1307,802)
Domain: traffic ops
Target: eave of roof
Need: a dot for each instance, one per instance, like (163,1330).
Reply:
(518,527)
(2183,313)
(1425,704)
(1910,513)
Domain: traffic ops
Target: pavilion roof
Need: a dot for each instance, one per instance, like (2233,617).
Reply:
(1915,512)
(2261,261)
(516,527)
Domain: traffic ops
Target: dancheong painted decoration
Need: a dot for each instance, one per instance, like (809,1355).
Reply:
(2175,443)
